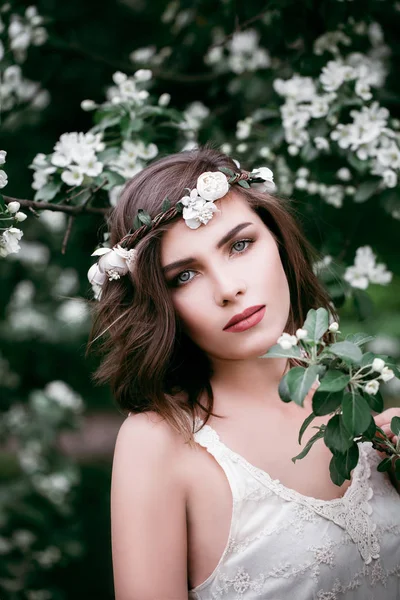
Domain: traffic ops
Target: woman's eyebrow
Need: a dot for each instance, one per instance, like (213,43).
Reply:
(184,262)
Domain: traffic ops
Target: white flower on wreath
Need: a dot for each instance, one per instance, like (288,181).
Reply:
(212,185)
(113,263)
(267,175)
(198,213)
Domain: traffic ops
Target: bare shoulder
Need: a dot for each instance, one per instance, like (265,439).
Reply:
(148,511)
(149,436)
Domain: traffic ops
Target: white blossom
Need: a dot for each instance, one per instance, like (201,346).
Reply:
(378,364)
(3,155)
(372,387)
(13,207)
(301,334)
(9,241)
(3,179)
(365,270)
(20,216)
(88,105)
(164,99)
(386,374)
(286,341)
(334,327)
(212,185)
(143,75)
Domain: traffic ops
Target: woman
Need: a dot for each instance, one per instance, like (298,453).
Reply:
(224,512)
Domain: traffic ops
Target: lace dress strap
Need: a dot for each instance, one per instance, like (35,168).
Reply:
(352,512)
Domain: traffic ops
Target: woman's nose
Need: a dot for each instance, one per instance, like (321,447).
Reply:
(226,288)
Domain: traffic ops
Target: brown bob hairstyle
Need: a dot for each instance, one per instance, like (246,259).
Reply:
(149,362)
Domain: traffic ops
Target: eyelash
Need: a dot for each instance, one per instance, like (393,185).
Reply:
(175,281)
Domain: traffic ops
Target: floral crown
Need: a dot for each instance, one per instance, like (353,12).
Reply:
(197,207)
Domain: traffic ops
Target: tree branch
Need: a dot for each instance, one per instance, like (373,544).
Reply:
(69,210)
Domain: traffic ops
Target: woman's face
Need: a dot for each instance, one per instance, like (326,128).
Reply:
(224,277)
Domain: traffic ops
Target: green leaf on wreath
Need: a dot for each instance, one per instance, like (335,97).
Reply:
(226,171)
(243,183)
(144,217)
(356,413)
(166,205)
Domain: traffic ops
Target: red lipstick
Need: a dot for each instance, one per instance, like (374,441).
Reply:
(245,319)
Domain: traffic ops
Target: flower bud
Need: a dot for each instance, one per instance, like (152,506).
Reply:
(378,365)
(386,374)
(87,105)
(334,327)
(13,207)
(3,155)
(301,334)
(372,387)
(20,216)
(164,99)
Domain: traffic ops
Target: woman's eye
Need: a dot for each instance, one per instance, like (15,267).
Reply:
(242,242)
(183,280)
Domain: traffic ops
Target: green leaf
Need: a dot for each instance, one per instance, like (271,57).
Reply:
(308,446)
(144,217)
(371,429)
(346,350)
(48,191)
(136,223)
(356,413)
(359,338)
(336,437)
(375,401)
(226,171)
(316,323)
(325,403)
(335,471)
(278,352)
(395,425)
(306,423)
(385,465)
(333,381)
(166,205)
(299,381)
(365,190)
(2,203)
(345,462)
(243,183)
(283,389)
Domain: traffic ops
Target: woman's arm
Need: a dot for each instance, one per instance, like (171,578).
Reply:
(148,513)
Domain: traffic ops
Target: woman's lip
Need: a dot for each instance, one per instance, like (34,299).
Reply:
(244,315)
(247,322)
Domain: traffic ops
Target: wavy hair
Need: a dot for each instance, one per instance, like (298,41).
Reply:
(149,362)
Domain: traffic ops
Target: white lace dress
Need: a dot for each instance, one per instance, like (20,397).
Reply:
(286,546)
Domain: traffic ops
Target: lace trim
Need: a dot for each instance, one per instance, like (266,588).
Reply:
(351,512)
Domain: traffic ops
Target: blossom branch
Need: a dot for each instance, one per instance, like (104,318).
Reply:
(69,210)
